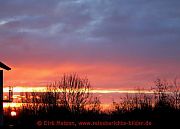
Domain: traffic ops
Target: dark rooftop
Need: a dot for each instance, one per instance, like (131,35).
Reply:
(3,66)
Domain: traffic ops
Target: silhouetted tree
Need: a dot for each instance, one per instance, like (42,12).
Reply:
(162,91)
(176,94)
(95,105)
(73,92)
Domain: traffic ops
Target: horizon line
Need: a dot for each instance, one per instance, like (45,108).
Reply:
(94,90)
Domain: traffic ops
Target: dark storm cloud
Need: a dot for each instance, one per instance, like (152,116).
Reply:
(105,27)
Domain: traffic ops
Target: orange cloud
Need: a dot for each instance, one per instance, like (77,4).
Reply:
(36,75)
(101,75)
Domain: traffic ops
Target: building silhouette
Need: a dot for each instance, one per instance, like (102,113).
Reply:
(3,67)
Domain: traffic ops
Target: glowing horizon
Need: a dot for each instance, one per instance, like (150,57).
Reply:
(44,89)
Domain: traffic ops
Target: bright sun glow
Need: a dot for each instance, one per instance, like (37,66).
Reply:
(12,105)
(43,89)
(17,97)
(13,113)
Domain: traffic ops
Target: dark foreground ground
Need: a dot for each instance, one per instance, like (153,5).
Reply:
(130,121)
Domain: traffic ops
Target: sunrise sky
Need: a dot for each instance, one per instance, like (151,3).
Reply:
(117,44)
